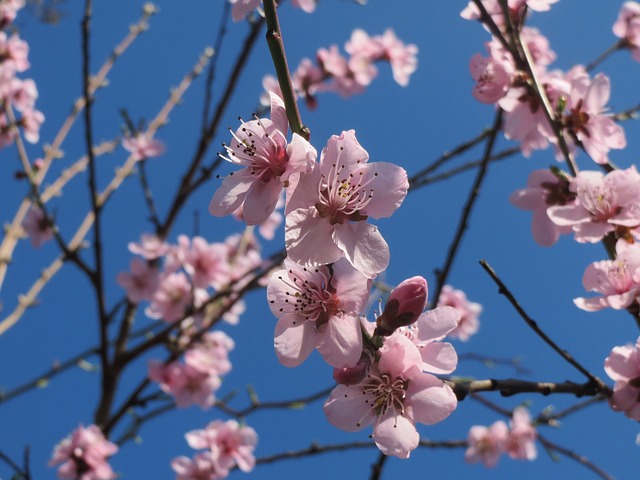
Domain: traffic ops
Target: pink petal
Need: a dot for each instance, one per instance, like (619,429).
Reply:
(341,341)
(294,340)
(439,357)
(363,246)
(231,193)
(308,238)
(436,323)
(431,400)
(396,435)
(346,408)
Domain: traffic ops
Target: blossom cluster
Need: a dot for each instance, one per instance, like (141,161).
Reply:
(578,100)
(594,205)
(385,369)
(225,445)
(487,444)
(333,72)
(178,281)
(83,455)
(242,8)
(17,95)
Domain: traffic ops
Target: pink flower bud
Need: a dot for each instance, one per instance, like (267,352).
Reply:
(405,304)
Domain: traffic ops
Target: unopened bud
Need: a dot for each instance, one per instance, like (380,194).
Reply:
(405,304)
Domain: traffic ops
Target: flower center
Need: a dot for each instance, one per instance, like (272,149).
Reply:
(388,393)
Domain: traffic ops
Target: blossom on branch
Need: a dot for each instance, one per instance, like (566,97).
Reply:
(623,366)
(260,146)
(83,455)
(318,308)
(326,215)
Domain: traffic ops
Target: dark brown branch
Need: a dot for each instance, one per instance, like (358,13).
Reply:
(443,273)
(509,387)
(595,382)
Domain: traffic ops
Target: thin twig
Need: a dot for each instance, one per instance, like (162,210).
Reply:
(595,382)
(581,459)
(443,273)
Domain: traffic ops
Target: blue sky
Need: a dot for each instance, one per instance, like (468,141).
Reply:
(409,126)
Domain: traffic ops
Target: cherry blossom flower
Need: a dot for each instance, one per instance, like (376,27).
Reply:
(618,280)
(203,466)
(171,299)
(185,383)
(83,455)
(150,247)
(318,308)
(471,11)
(404,305)
(623,366)
(402,57)
(206,263)
(544,190)
(37,227)
(586,116)
(211,353)
(9,10)
(230,442)
(393,397)
(469,312)
(493,78)
(520,442)
(31,121)
(261,147)
(604,203)
(142,146)
(627,27)
(486,444)
(326,215)
(141,283)
(242,8)
(307,6)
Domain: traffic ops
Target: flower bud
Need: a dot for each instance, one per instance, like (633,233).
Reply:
(405,304)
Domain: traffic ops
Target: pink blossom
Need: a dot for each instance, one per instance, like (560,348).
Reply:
(307,6)
(13,55)
(326,215)
(393,397)
(141,283)
(211,353)
(142,146)
(544,189)
(21,93)
(233,443)
(31,121)
(605,202)
(261,147)
(586,116)
(150,247)
(486,444)
(344,80)
(270,84)
(493,78)
(206,263)
(618,281)
(522,436)
(469,312)
(318,308)
(242,8)
(9,10)
(471,11)
(172,298)
(404,305)
(185,383)
(83,455)
(402,57)
(627,27)
(306,81)
(203,466)
(623,366)
(37,227)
